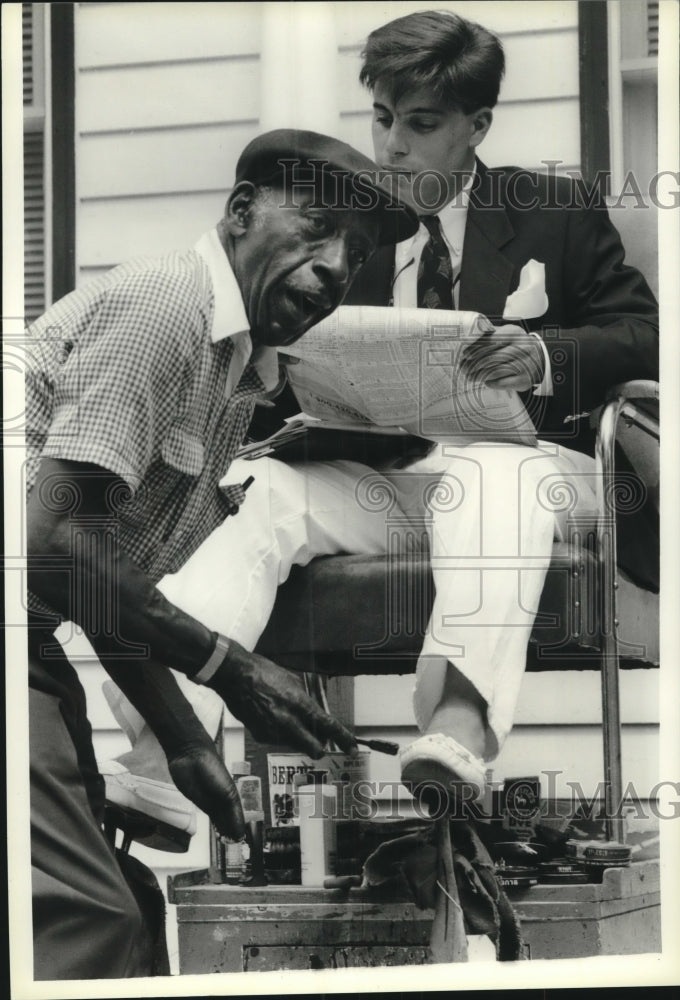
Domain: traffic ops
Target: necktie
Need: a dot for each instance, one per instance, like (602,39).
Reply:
(435,273)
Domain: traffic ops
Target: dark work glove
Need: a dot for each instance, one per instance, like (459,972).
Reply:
(273,705)
(193,761)
(200,774)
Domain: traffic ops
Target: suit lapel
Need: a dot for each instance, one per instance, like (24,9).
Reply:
(486,273)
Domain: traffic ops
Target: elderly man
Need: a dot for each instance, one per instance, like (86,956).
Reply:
(509,244)
(140,390)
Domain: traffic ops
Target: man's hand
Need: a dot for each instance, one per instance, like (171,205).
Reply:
(273,705)
(508,358)
(193,762)
(198,773)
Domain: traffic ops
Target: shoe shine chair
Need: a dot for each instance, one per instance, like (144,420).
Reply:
(355,614)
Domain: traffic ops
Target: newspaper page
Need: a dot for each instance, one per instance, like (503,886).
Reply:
(402,368)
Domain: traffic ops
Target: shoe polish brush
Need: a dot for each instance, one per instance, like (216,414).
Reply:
(382,746)
(315,688)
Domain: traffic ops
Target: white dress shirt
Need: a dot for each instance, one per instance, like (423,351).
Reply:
(453,219)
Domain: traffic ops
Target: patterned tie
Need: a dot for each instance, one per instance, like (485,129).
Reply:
(435,273)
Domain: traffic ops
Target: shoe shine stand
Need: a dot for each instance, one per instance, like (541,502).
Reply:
(226,929)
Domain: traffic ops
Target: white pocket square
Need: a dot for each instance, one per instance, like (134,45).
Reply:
(530,299)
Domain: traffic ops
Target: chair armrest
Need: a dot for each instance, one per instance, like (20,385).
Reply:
(621,400)
(636,389)
(637,402)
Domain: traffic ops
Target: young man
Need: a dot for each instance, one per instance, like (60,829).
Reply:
(140,390)
(514,246)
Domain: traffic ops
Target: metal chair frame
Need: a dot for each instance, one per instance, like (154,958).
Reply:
(620,405)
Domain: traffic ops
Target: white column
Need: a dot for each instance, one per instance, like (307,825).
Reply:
(615,96)
(299,67)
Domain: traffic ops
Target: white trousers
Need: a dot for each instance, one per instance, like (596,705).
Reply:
(488,513)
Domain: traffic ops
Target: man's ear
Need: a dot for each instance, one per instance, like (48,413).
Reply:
(481,123)
(237,212)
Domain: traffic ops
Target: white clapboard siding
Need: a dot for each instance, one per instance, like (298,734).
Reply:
(572,753)
(129,34)
(94,271)
(545,698)
(139,166)
(166,98)
(356,20)
(528,134)
(168,95)
(151,225)
(557,726)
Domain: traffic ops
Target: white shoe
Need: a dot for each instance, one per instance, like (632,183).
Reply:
(127,717)
(439,759)
(151,812)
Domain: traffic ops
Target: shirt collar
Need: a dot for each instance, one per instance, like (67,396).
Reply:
(461,201)
(463,196)
(452,218)
(229,314)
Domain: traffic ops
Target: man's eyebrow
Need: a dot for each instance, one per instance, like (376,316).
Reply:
(411,111)
(424,111)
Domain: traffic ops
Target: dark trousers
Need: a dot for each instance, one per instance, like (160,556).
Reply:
(86,922)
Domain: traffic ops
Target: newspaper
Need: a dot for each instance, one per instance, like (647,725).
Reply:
(401,368)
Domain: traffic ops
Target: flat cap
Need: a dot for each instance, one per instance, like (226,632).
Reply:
(298,159)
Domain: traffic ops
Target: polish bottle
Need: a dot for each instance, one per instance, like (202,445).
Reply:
(318,839)
(252,857)
(233,860)
(218,843)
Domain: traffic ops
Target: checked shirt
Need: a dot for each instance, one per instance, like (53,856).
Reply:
(147,373)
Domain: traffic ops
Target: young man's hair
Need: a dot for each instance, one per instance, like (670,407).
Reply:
(457,60)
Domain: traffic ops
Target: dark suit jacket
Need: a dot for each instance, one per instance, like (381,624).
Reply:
(601,326)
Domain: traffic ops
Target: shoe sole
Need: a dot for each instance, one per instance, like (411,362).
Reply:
(423,772)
